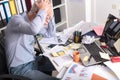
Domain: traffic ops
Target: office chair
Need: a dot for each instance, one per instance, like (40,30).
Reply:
(4,75)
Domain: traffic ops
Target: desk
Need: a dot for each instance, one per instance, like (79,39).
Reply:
(59,68)
(85,27)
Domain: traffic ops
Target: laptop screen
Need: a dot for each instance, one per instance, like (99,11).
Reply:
(111,33)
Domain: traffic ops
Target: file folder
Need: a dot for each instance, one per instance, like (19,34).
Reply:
(3,15)
(24,6)
(19,6)
(13,7)
(57,15)
(28,4)
(7,10)
(56,2)
(1,21)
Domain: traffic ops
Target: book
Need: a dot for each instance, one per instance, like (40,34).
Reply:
(7,10)
(13,8)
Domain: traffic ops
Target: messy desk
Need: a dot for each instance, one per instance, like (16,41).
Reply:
(99,57)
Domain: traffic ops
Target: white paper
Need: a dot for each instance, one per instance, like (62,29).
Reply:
(117,45)
(105,72)
(115,67)
(104,55)
(78,72)
(63,60)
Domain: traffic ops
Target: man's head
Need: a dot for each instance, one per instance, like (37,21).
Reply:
(41,5)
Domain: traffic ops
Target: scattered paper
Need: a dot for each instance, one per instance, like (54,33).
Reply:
(104,55)
(88,39)
(78,72)
(115,67)
(63,60)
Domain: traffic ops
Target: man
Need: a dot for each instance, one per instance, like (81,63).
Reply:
(19,37)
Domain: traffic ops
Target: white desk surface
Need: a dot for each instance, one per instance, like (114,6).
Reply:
(85,27)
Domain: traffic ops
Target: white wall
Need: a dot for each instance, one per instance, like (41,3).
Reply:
(101,9)
(76,11)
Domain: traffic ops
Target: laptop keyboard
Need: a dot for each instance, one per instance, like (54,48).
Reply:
(94,51)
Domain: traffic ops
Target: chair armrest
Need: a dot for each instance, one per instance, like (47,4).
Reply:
(16,77)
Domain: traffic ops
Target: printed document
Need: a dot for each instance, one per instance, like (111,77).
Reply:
(78,72)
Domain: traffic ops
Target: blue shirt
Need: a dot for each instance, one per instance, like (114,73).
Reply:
(19,37)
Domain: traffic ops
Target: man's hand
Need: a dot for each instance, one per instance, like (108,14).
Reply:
(43,4)
(49,14)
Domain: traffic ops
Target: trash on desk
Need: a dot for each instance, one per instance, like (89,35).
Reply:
(88,39)
(115,59)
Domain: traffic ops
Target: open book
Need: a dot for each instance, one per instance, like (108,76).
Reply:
(97,72)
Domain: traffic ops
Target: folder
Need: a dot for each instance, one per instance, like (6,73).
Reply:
(1,21)
(24,5)
(7,10)
(13,7)
(3,15)
(19,6)
(28,4)
(56,2)
(57,15)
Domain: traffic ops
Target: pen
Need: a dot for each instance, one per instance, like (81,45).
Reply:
(89,58)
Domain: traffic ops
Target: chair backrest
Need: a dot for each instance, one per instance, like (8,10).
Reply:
(3,63)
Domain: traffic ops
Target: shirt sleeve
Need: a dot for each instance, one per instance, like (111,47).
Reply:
(29,27)
(49,30)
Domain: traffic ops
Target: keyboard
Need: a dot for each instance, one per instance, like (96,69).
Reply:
(94,51)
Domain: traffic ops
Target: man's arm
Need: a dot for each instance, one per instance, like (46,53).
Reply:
(49,30)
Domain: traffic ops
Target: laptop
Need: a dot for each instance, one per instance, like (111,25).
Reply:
(90,52)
